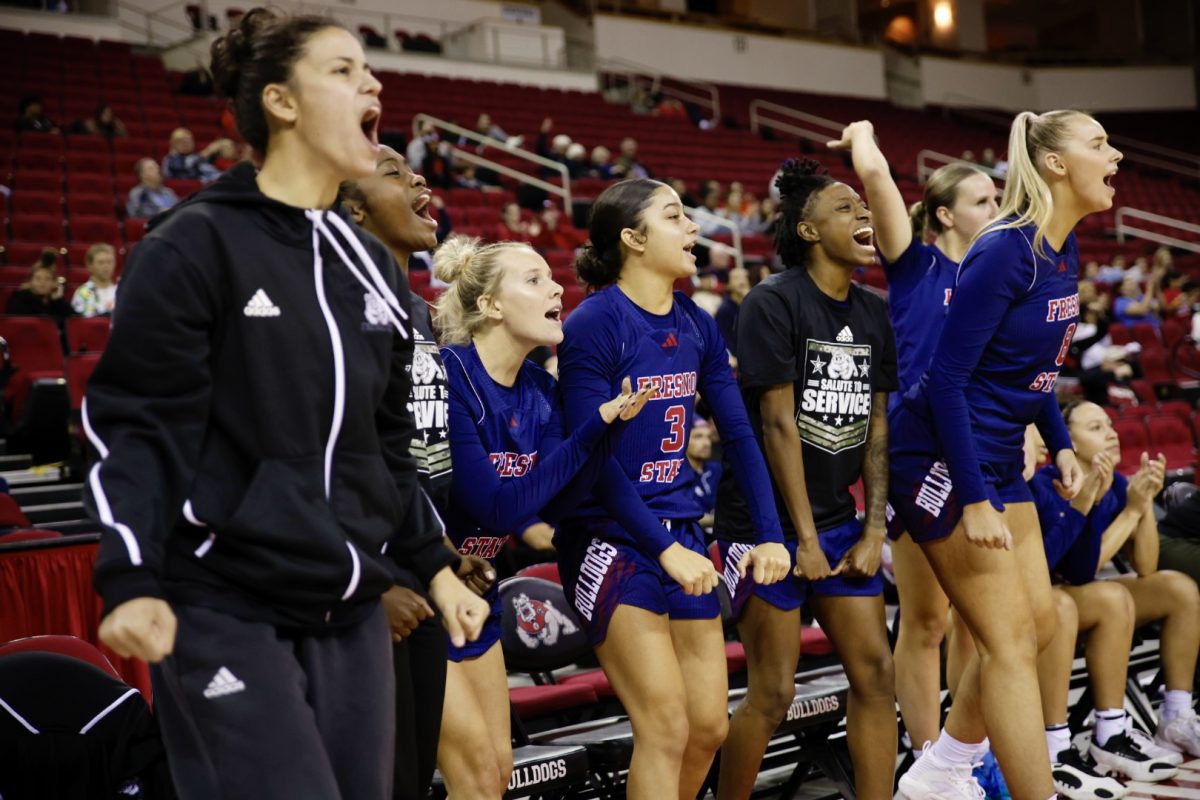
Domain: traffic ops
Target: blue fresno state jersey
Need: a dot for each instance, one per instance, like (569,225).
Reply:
(1011,319)
(678,353)
(920,284)
(512,466)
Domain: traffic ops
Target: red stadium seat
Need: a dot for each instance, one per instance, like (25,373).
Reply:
(71,646)
(1145,335)
(90,205)
(135,229)
(50,230)
(1135,440)
(79,371)
(1119,333)
(1180,409)
(88,334)
(37,203)
(1144,390)
(27,535)
(96,229)
(1171,437)
(1155,369)
(547,571)
(1173,329)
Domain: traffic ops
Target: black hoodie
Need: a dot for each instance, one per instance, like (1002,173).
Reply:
(250,417)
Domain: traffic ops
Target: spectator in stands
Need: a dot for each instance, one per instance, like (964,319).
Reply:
(760,217)
(102,123)
(183,162)
(33,116)
(737,286)
(150,196)
(1164,258)
(707,291)
(98,295)
(709,215)
(490,130)
(1114,272)
(1091,271)
(1135,306)
(577,162)
(42,294)
(554,148)
(556,233)
(1179,530)
(1121,519)
(600,166)
(707,469)
(681,188)
(514,229)
(627,164)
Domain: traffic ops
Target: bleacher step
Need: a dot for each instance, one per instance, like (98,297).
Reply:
(33,476)
(17,461)
(42,515)
(54,493)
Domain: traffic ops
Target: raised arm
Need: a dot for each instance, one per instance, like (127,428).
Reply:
(893,230)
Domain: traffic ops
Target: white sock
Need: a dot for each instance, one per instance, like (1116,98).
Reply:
(1109,722)
(1175,702)
(951,751)
(1058,739)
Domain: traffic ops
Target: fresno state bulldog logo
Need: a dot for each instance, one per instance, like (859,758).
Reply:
(539,622)
(841,366)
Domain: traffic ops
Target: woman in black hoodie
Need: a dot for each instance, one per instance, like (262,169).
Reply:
(250,419)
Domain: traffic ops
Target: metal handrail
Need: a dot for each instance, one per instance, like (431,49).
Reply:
(832,128)
(1124,229)
(706,94)
(738,255)
(563,191)
(924,170)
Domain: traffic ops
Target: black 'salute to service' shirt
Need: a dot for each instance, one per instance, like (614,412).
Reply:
(837,354)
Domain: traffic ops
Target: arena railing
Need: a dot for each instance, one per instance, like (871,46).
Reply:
(700,93)
(929,160)
(738,255)
(820,129)
(1125,213)
(468,156)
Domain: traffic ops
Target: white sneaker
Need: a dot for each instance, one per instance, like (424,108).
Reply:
(1181,734)
(1119,755)
(1146,744)
(930,778)
(1076,779)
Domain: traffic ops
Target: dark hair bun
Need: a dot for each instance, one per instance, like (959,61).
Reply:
(591,268)
(231,51)
(797,174)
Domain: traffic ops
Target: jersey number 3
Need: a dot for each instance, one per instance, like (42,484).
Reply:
(675,417)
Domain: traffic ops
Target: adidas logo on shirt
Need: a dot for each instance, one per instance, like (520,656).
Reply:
(224,682)
(845,336)
(261,306)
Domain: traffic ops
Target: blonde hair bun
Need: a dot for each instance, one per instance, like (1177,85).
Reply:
(453,257)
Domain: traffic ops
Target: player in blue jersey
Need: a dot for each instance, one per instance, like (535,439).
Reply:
(633,557)
(957,447)
(959,200)
(512,467)
(1105,611)
(817,363)
(1117,515)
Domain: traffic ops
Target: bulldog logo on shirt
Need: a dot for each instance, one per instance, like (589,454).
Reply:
(375,313)
(835,403)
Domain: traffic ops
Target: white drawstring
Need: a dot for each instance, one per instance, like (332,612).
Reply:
(380,290)
(369,262)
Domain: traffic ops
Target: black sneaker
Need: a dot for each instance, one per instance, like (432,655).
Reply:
(1120,754)
(1075,778)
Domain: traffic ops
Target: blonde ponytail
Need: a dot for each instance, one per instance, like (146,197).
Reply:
(1027,196)
(473,270)
(918,217)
